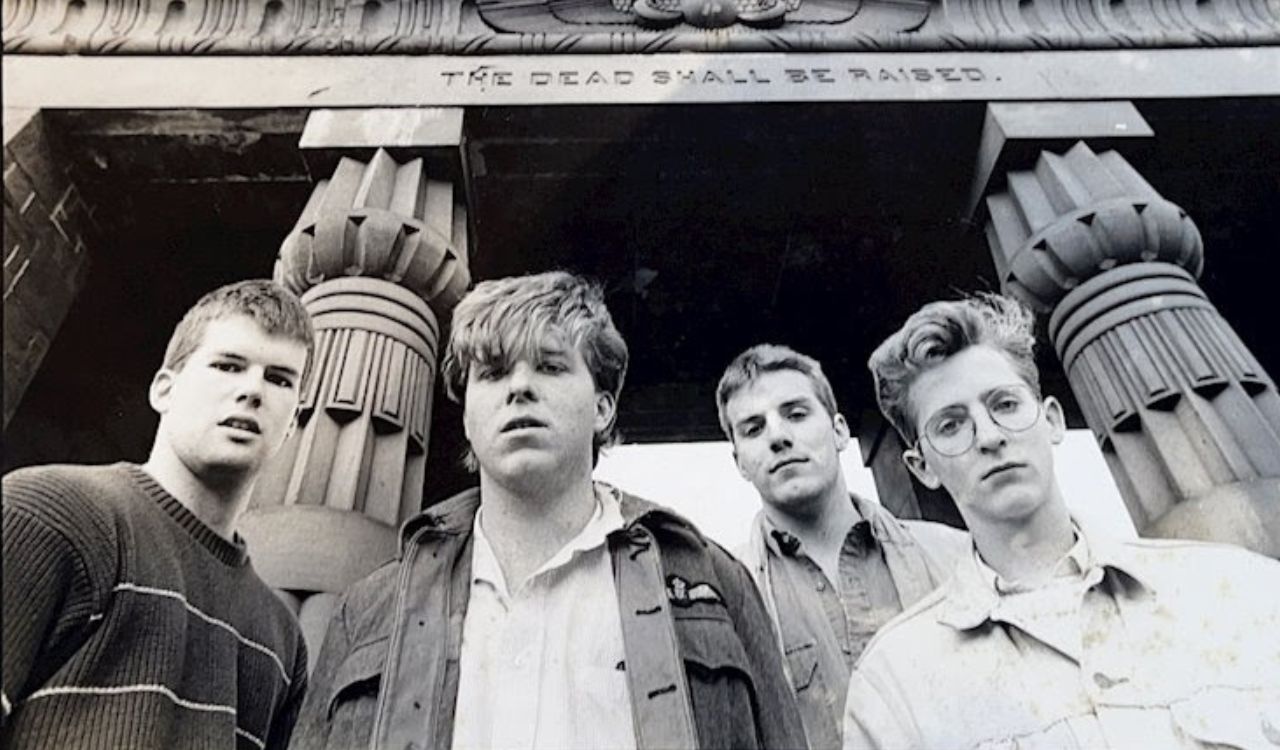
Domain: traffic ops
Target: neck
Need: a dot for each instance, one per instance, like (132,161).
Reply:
(216,499)
(526,525)
(1027,549)
(821,525)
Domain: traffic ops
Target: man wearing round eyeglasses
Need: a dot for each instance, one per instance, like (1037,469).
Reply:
(1050,634)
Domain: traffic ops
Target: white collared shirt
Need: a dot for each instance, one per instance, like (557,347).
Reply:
(541,665)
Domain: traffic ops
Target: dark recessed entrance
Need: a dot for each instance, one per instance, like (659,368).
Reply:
(713,227)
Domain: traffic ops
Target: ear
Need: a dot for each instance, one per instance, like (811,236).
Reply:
(606,408)
(161,389)
(842,431)
(915,462)
(1056,419)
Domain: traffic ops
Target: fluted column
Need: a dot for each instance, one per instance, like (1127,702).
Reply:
(1188,421)
(378,256)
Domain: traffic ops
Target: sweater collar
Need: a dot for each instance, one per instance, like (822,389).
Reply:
(233,552)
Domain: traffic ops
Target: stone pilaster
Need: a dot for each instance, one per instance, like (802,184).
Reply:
(1187,420)
(378,256)
(47,226)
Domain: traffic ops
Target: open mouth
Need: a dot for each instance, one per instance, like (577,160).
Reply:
(242,423)
(1001,469)
(784,464)
(522,423)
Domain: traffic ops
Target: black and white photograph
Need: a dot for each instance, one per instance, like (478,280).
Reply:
(641,374)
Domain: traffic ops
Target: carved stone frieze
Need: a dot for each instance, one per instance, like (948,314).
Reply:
(602,26)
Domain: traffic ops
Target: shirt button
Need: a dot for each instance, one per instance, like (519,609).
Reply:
(822,585)
(1105,682)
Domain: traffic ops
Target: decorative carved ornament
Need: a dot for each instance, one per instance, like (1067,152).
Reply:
(617,26)
(1077,215)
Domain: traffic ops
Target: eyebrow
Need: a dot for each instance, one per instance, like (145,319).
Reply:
(287,370)
(981,397)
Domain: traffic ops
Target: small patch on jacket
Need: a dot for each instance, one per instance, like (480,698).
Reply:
(683,594)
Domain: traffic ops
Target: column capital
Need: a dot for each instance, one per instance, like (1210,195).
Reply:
(1077,215)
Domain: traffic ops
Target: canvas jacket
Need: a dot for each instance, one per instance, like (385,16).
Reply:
(920,555)
(387,675)
(1177,646)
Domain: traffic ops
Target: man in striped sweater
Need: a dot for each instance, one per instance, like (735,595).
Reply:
(132,616)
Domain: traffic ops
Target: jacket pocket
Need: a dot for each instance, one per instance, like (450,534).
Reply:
(802,664)
(357,681)
(1245,719)
(711,644)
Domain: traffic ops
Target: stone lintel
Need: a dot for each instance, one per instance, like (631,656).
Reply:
(169,82)
(433,133)
(1014,134)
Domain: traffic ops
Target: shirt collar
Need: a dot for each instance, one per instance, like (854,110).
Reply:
(976,589)
(604,520)
(785,544)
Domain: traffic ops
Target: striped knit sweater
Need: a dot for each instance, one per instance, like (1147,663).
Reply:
(128,623)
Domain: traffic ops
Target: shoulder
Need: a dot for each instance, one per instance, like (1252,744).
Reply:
(1179,564)
(80,503)
(915,631)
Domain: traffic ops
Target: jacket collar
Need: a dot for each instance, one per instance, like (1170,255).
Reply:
(972,594)
(456,515)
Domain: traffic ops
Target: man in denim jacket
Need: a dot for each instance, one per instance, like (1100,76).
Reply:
(1051,634)
(832,567)
(541,609)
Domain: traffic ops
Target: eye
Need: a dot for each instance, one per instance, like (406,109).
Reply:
(750,429)
(552,367)
(284,381)
(225,366)
(488,372)
(947,426)
(797,414)
(1005,403)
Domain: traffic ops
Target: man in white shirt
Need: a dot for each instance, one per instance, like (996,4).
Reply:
(1050,634)
(542,610)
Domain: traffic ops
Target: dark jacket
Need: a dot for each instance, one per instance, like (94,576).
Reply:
(387,675)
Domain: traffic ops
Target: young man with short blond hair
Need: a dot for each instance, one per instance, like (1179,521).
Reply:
(1051,633)
(132,615)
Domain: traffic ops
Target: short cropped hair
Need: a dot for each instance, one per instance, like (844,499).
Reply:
(505,320)
(940,330)
(764,358)
(276,309)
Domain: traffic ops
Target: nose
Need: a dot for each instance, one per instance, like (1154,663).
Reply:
(987,435)
(779,434)
(250,386)
(520,383)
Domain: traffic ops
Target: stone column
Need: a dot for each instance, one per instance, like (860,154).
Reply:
(1188,421)
(900,492)
(378,256)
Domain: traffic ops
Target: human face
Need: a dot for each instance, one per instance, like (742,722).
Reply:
(231,405)
(784,441)
(1005,475)
(535,417)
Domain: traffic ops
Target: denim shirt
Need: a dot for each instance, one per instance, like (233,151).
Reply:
(1175,645)
(919,555)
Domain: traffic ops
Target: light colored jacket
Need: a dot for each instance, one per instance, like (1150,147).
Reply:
(919,554)
(1179,648)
